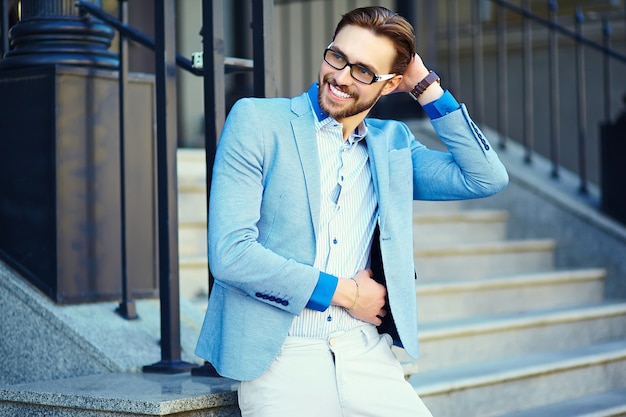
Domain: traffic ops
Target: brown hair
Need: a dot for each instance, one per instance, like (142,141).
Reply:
(386,23)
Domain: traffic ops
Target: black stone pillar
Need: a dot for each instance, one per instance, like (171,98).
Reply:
(53,32)
(61,165)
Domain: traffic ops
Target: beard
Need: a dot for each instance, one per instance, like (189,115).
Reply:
(347,110)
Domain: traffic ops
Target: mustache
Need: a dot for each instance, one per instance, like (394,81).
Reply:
(328,79)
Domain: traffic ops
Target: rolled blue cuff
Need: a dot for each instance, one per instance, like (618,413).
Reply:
(442,106)
(323,292)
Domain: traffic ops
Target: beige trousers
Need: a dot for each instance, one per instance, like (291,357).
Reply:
(351,374)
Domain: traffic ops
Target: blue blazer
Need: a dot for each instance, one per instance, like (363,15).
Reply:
(263,221)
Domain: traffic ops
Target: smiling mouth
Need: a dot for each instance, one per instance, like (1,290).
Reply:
(337,92)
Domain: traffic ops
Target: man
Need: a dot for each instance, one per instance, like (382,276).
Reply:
(310,234)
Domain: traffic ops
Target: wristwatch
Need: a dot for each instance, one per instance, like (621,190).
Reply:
(420,87)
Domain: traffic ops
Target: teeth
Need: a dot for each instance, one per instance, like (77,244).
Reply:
(338,92)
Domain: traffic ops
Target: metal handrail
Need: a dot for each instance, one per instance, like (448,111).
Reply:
(166,163)
(528,109)
(214,115)
(580,41)
(552,25)
(231,64)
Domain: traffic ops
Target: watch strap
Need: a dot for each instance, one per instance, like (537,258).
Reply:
(420,87)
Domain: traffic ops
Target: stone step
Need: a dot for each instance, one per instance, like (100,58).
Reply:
(428,228)
(441,227)
(192,239)
(191,175)
(452,343)
(497,387)
(191,167)
(192,208)
(602,404)
(446,300)
(423,206)
(192,205)
(194,277)
(122,394)
(482,260)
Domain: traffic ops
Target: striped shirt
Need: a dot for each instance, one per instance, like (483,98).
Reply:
(348,214)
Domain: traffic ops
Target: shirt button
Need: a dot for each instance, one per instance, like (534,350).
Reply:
(332,342)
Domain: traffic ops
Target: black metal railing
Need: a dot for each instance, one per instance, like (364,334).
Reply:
(213,65)
(166,147)
(218,64)
(517,21)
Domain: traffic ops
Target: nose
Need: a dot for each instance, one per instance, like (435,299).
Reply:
(343,76)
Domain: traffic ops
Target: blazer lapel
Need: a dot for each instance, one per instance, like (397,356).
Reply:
(377,151)
(306,142)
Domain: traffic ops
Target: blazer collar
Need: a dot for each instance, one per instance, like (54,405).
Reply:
(313,98)
(301,105)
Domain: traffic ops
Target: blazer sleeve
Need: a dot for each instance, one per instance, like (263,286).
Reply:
(471,168)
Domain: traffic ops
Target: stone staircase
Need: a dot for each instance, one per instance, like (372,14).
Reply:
(502,331)
(192,225)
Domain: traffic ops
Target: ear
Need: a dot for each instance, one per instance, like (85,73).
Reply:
(392,85)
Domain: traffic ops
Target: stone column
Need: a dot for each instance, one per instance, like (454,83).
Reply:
(53,32)
(61,160)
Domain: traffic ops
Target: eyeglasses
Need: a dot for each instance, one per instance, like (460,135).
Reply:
(362,74)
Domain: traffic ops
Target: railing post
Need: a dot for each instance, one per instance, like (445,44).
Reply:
(126,307)
(503,97)
(477,50)
(214,108)
(453,46)
(581,101)
(426,28)
(165,63)
(214,95)
(606,34)
(263,71)
(527,90)
(555,127)
(214,86)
